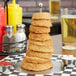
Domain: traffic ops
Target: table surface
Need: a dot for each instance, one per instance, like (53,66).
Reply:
(57,42)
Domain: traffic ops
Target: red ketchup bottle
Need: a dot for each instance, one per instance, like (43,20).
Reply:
(2,25)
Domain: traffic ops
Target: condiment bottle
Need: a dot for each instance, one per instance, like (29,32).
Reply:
(9,40)
(20,38)
(2,26)
(14,14)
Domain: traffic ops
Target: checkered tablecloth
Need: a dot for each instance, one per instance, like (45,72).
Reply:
(69,70)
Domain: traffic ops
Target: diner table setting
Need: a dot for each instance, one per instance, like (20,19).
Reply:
(39,43)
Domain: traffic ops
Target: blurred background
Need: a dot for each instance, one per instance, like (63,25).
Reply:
(32,5)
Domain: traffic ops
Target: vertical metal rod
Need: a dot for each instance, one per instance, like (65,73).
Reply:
(40,6)
(7,14)
(6,5)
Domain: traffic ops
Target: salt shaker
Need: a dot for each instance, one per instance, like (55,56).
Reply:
(20,38)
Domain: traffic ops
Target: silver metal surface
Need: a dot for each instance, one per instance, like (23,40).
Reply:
(57,67)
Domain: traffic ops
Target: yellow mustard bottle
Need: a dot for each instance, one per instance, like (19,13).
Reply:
(14,14)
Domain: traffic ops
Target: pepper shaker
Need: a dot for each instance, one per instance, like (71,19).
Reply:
(9,40)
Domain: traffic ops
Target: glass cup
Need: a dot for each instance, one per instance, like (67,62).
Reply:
(54,9)
(68,26)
